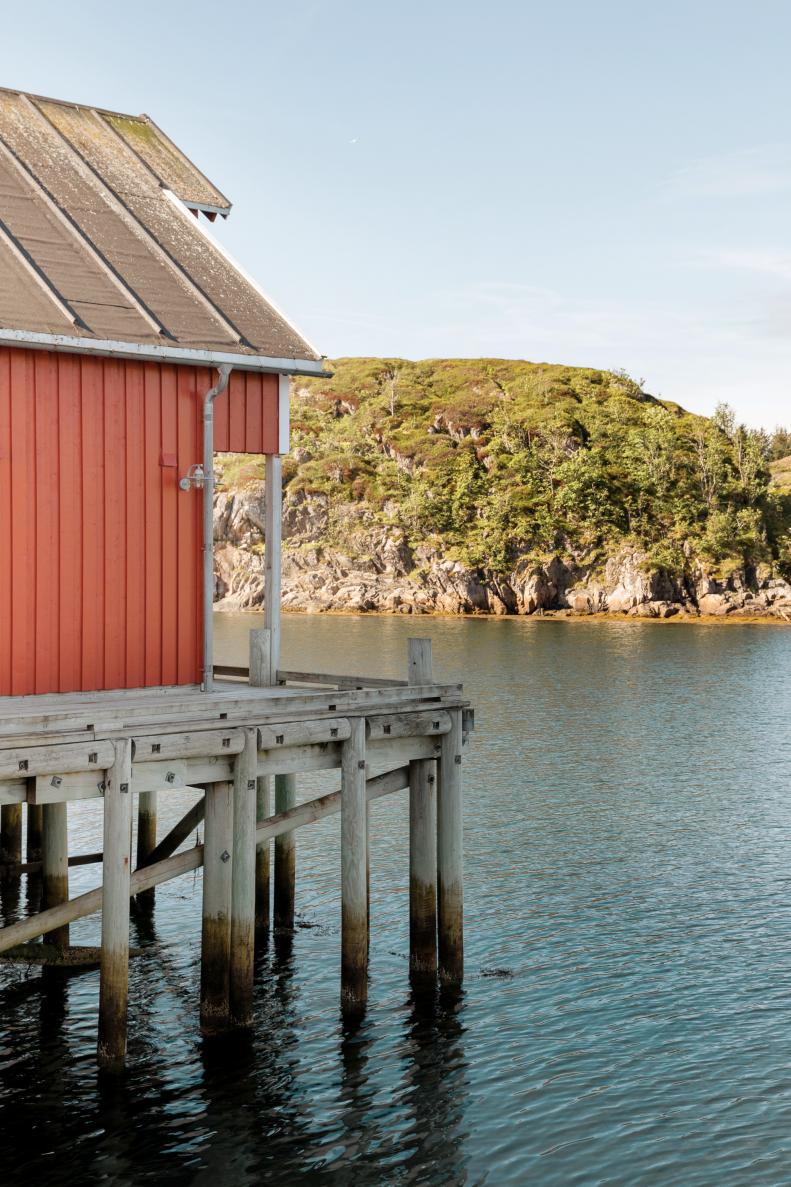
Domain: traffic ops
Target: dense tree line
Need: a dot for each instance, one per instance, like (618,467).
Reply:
(501,459)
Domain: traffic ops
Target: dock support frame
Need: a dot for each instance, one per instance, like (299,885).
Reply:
(216,921)
(354,873)
(116,875)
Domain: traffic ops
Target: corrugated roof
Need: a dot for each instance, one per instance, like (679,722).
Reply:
(101,243)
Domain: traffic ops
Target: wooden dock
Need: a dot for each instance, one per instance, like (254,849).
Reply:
(253,728)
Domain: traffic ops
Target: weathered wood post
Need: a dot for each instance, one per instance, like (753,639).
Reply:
(146,836)
(261,677)
(422,838)
(34,832)
(243,882)
(216,928)
(114,978)
(55,865)
(10,839)
(285,856)
(354,881)
(450,857)
(263,809)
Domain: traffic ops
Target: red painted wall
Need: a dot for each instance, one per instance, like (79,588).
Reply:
(100,553)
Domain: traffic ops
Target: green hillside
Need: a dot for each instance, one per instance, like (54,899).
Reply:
(500,459)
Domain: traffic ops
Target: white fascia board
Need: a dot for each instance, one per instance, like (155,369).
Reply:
(245,275)
(160,354)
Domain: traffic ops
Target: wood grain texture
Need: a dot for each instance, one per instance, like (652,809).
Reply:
(91,451)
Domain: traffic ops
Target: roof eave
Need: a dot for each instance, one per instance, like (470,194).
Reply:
(152,352)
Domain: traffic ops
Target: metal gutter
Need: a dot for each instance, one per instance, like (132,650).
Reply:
(152,352)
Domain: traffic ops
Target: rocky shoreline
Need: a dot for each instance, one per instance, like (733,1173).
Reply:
(375,570)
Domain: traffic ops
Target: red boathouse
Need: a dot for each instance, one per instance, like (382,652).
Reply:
(119,313)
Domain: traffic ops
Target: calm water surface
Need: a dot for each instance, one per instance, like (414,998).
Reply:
(626,1017)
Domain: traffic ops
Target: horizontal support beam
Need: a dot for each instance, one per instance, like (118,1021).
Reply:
(200,744)
(55,760)
(303,733)
(110,717)
(407,725)
(383,749)
(34,867)
(339,682)
(192,859)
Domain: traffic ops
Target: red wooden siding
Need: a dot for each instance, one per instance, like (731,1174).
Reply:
(100,553)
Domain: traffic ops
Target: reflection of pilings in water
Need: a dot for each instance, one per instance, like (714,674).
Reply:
(436,1086)
(10,888)
(117,1151)
(361,1132)
(256,1080)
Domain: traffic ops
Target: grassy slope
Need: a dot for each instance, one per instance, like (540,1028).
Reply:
(493,460)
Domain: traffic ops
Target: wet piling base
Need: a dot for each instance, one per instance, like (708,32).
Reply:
(146,840)
(422,870)
(216,925)
(262,863)
(55,865)
(450,862)
(354,874)
(243,884)
(116,874)
(285,857)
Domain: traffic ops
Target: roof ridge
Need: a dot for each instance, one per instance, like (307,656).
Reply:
(71,103)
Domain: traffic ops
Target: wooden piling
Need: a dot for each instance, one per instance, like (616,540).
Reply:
(450,892)
(191,859)
(354,883)
(260,676)
(55,865)
(116,874)
(34,832)
(285,856)
(216,928)
(243,882)
(422,838)
(423,868)
(10,838)
(146,836)
(262,811)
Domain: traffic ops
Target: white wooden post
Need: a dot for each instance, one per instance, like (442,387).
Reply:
(114,978)
(354,880)
(243,882)
(216,929)
(273,535)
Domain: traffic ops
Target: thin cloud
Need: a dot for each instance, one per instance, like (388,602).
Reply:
(744,173)
(764,261)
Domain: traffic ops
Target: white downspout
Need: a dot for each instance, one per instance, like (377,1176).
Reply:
(224,372)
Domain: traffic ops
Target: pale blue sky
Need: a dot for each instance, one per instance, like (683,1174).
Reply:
(601,183)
